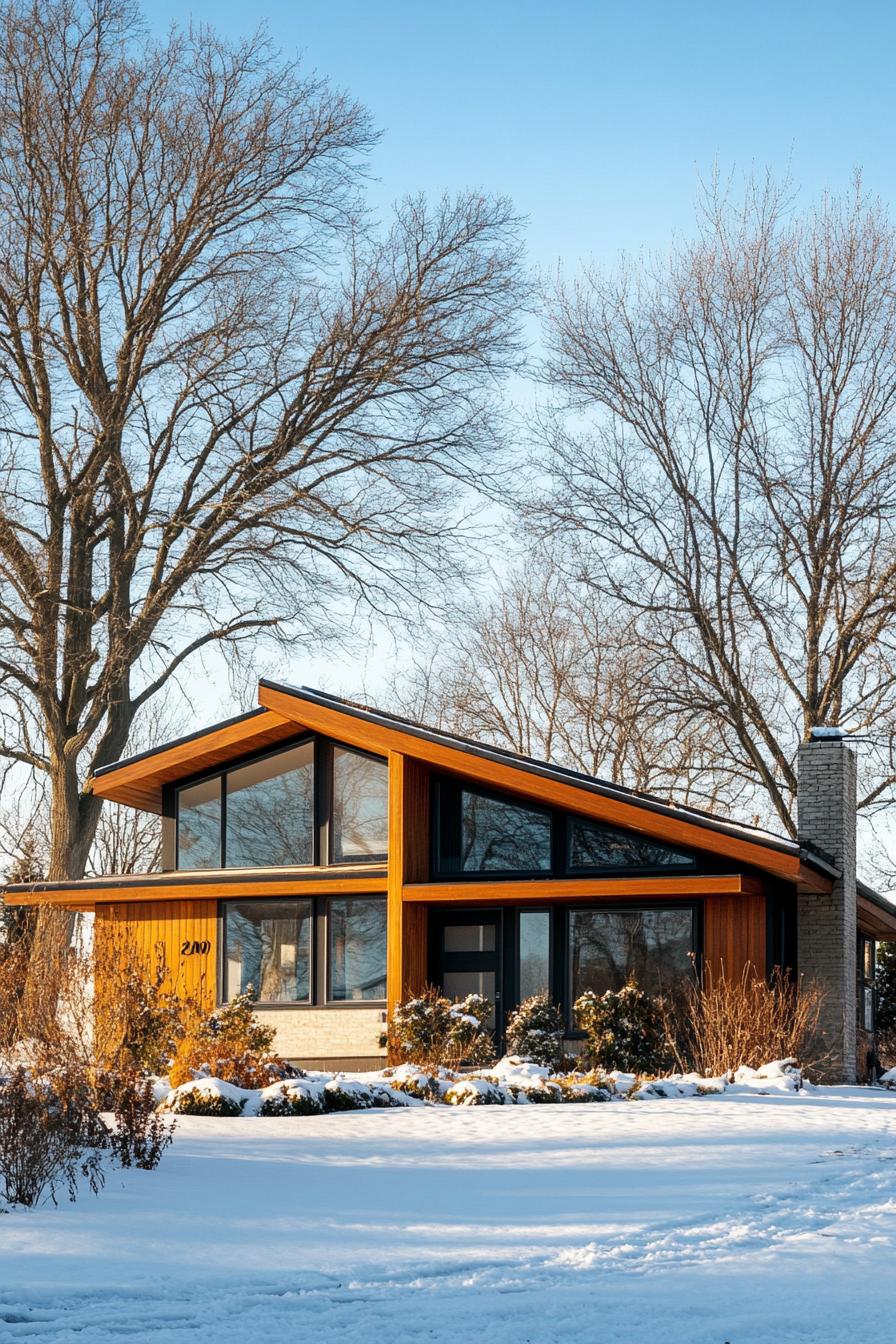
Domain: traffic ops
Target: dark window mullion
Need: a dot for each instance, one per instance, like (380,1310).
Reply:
(223,854)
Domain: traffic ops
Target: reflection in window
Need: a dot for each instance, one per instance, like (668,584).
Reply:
(609,947)
(594,846)
(267,945)
(360,814)
(497,836)
(199,825)
(535,953)
(357,949)
(270,810)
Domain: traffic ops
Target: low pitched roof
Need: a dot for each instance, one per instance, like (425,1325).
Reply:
(285,711)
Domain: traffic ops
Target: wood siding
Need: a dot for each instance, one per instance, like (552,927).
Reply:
(166,926)
(408,860)
(734,934)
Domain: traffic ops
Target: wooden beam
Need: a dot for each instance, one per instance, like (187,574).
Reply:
(324,882)
(513,778)
(408,858)
(537,890)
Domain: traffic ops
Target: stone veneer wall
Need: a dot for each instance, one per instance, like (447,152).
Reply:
(826,924)
(339,1037)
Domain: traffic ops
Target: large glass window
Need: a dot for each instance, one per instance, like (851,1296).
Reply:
(592,846)
(267,947)
(480,834)
(356,936)
(199,825)
(535,952)
(270,810)
(360,807)
(653,947)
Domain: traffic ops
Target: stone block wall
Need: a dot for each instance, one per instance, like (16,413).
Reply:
(826,923)
(328,1038)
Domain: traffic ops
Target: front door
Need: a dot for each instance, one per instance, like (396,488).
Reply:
(465,955)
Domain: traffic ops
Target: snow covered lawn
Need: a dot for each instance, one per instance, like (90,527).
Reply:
(730,1218)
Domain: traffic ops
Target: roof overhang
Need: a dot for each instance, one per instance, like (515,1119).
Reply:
(286,712)
(139,780)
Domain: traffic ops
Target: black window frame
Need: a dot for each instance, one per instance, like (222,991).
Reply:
(328,1000)
(319,953)
(322,832)
(221,985)
(634,869)
(330,842)
(865,982)
(446,810)
(615,907)
(441,783)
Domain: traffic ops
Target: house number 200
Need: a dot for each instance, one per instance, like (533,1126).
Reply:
(190,947)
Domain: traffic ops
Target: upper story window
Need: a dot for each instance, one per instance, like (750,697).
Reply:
(199,825)
(314,802)
(482,833)
(270,811)
(360,807)
(592,847)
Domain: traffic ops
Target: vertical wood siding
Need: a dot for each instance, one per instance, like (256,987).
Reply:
(168,926)
(734,933)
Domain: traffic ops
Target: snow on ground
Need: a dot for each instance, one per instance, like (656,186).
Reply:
(731,1218)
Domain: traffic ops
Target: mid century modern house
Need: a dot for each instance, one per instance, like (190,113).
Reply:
(338,859)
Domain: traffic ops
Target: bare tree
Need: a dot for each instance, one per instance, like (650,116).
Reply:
(228,400)
(548,668)
(725,467)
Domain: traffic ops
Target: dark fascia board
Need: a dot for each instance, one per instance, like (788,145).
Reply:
(547,771)
(198,878)
(876,898)
(180,741)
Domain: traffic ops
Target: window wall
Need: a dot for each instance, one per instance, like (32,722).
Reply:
(326,950)
(315,802)
(654,947)
(479,832)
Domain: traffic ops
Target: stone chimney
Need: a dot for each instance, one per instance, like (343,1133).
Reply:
(826,924)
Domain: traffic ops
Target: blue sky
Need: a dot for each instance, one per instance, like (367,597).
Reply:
(597,119)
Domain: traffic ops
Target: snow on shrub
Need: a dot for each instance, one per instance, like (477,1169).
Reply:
(473,1091)
(535,1031)
(295,1097)
(888,1079)
(624,1029)
(415,1082)
(206,1096)
(431,1030)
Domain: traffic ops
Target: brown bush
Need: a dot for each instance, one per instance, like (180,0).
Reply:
(230,1044)
(66,1056)
(722,1022)
(51,1135)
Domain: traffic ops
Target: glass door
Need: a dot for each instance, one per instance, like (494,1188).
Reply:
(466,956)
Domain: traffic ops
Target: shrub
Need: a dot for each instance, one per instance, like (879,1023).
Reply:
(415,1082)
(230,1044)
(291,1099)
(201,1099)
(625,1030)
(51,1135)
(535,1031)
(431,1030)
(140,1134)
(725,1023)
(474,1092)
